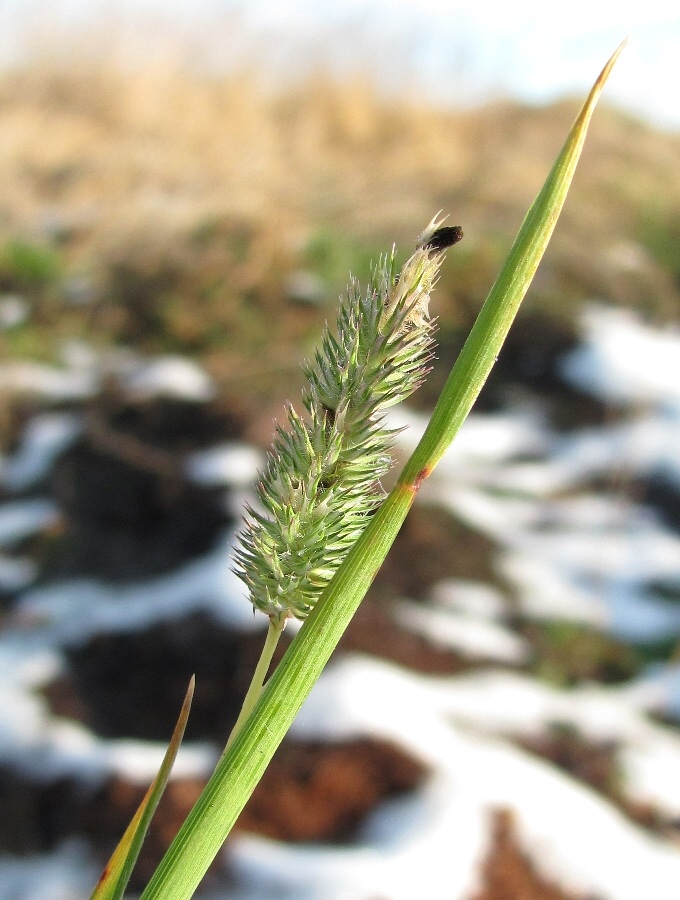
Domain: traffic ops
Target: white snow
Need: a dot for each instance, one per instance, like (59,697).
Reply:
(23,518)
(231,463)
(16,572)
(73,611)
(565,550)
(44,438)
(470,635)
(14,310)
(84,371)
(472,597)
(170,376)
(433,844)
(624,360)
(66,874)
(45,381)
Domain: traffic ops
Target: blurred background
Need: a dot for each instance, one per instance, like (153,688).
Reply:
(185,189)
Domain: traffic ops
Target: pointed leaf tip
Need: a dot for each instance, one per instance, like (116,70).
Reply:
(114,878)
(600,81)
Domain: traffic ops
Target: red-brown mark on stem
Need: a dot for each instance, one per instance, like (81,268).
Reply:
(420,477)
(105,874)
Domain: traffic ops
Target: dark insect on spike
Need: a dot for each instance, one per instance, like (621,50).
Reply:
(443,237)
(329,414)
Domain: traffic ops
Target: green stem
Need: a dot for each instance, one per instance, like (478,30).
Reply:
(274,632)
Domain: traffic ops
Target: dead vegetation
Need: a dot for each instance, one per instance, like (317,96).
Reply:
(175,212)
(101,161)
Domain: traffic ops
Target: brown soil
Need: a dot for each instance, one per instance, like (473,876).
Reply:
(129,512)
(592,762)
(433,545)
(374,631)
(321,791)
(132,684)
(312,791)
(596,764)
(508,873)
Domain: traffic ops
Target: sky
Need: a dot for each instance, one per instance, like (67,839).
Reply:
(455,50)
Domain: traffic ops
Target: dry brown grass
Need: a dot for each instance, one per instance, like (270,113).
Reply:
(190,198)
(127,153)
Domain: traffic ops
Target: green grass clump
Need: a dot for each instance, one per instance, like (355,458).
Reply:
(331,254)
(28,267)
(568,653)
(660,233)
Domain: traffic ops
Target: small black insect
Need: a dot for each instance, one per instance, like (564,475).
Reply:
(443,237)
(329,414)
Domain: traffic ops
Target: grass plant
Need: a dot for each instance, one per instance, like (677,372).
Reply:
(319,490)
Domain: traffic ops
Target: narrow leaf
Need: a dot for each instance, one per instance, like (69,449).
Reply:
(116,875)
(486,338)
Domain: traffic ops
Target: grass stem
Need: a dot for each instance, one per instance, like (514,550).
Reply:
(274,632)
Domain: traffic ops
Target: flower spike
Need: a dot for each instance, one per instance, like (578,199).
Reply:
(322,478)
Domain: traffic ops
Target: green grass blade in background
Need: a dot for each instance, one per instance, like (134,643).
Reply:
(202,835)
(116,875)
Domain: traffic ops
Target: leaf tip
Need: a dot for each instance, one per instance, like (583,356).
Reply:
(609,65)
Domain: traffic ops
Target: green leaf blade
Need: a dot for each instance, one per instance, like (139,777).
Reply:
(486,338)
(116,874)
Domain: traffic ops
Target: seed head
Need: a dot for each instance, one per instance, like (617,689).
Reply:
(322,477)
